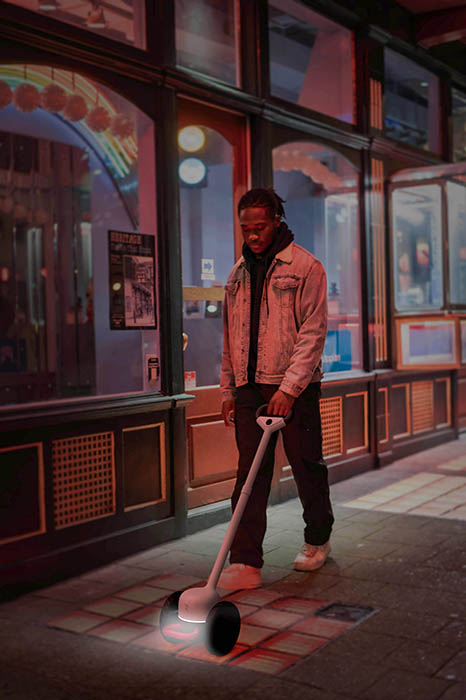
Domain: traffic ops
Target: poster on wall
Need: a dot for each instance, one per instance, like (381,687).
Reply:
(427,343)
(132,281)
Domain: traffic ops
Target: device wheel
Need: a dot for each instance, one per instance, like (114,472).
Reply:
(222,628)
(172,629)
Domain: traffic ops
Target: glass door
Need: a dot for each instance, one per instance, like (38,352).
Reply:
(212,177)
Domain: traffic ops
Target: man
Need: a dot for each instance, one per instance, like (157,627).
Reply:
(275,323)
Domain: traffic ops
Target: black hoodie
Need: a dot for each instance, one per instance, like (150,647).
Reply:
(257,265)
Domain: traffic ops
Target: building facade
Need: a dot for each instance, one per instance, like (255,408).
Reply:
(128,132)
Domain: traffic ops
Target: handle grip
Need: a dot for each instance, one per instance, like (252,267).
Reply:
(287,418)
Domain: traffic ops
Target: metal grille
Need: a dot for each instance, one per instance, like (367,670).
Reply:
(83,478)
(378,246)
(332,429)
(423,406)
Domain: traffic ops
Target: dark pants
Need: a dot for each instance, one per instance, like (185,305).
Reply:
(302,439)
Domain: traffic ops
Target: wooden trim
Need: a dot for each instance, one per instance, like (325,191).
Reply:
(408,410)
(41,491)
(203,293)
(163,464)
(399,321)
(447,400)
(365,446)
(386,439)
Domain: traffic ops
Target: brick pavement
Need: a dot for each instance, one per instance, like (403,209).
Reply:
(397,572)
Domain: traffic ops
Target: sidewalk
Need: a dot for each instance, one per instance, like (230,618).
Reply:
(385,618)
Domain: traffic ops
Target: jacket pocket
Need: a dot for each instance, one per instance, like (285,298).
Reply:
(284,288)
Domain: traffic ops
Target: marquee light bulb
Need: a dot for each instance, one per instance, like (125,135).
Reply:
(191,138)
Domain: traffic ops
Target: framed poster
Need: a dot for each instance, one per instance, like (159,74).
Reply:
(132,281)
(426,343)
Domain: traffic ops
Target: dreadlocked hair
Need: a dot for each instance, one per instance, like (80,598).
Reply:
(267,199)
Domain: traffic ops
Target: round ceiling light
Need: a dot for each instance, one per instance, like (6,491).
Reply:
(192,171)
(191,139)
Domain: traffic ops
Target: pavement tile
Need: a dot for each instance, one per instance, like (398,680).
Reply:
(116,574)
(349,676)
(275,619)
(374,648)
(173,582)
(112,607)
(77,590)
(404,685)
(453,634)
(256,597)
(300,606)
(143,594)
(420,657)
(78,621)
(321,627)
(252,635)
(455,692)
(265,661)
(155,641)
(294,643)
(280,689)
(148,615)
(243,609)
(455,669)
(402,623)
(200,653)
(122,631)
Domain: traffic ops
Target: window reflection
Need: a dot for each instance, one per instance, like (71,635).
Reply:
(206,37)
(417,242)
(73,161)
(311,60)
(411,102)
(206,200)
(456,202)
(322,209)
(458,113)
(121,20)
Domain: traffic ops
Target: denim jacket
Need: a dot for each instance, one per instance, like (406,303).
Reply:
(292,325)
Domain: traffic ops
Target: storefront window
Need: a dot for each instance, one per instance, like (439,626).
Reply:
(322,209)
(207,36)
(76,162)
(417,246)
(458,113)
(206,200)
(311,60)
(411,103)
(121,20)
(456,205)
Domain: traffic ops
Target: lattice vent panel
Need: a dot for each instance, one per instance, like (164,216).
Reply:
(83,478)
(423,406)
(332,430)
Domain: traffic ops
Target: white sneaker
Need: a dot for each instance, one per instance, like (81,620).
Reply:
(312,556)
(238,576)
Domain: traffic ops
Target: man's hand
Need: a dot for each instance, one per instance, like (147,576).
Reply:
(280,404)
(228,409)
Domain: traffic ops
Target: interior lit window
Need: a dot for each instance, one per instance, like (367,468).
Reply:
(121,20)
(311,60)
(322,209)
(207,37)
(76,163)
(456,206)
(411,103)
(417,245)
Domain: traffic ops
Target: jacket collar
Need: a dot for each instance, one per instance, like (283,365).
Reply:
(285,255)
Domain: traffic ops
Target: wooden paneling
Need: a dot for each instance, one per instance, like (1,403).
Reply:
(22,502)
(401,412)
(144,465)
(355,426)
(423,406)
(213,453)
(442,402)
(382,415)
(83,478)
